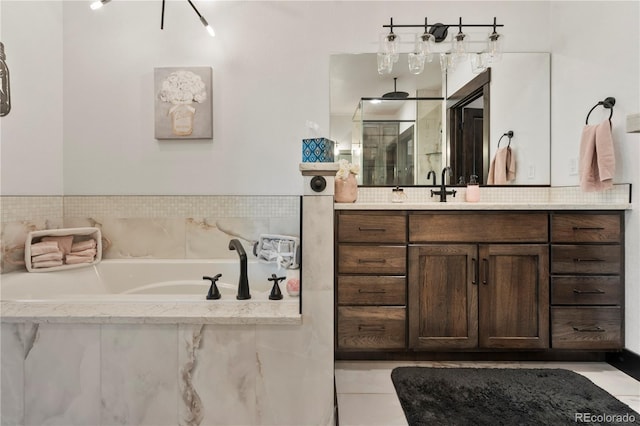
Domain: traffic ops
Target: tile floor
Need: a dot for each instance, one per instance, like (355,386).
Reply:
(366,396)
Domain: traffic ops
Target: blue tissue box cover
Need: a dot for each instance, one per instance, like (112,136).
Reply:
(318,150)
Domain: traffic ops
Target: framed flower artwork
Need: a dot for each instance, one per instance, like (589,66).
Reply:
(183,104)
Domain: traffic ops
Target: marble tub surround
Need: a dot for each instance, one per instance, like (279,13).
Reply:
(167,227)
(500,198)
(21,215)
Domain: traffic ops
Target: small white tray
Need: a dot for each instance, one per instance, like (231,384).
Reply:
(36,236)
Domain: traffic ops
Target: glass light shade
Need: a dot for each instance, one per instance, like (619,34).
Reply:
(479,62)
(425,44)
(460,46)
(390,44)
(447,62)
(495,45)
(385,63)
(416,62)
(96,5)
(211,31)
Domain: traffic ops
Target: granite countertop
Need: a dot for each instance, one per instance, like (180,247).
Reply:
(458,205)
(134,312)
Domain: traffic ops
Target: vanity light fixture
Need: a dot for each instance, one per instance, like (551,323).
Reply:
(437,33)
(98,4)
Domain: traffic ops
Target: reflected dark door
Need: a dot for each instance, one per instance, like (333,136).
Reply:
(472,144)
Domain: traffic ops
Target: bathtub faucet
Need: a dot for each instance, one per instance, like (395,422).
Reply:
(243,283)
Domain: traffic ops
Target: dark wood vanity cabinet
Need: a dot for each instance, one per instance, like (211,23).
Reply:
(371,259)
(418,281)
(587,285)
(475,288)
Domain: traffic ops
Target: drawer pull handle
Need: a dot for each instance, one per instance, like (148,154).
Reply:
(594,329)
(372,327)
(596,291)
(360,228)
(361,291)
(588,228)
(372,261)
(595,259)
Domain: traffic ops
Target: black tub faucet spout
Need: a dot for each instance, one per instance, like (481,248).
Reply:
(243,282)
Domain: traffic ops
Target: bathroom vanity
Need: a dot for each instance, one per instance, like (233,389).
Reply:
(426,278)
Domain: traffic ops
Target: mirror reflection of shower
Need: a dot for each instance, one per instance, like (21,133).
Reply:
(5,93)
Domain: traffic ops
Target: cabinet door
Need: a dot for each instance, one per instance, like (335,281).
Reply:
(514,296)
(443,296)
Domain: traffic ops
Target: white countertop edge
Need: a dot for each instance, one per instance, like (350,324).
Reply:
(481,206)
(149,313)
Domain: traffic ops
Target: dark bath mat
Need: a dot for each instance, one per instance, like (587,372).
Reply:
(503,396)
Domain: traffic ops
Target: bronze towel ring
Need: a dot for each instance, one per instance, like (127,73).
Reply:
(607,103)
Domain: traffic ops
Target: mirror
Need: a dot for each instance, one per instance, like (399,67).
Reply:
(516,98)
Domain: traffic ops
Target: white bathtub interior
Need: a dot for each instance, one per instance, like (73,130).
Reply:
(142,279)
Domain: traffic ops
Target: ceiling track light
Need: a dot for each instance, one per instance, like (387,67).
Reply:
(437,33)
(99,3)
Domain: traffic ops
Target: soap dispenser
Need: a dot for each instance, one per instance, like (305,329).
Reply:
(398,195)
(473,190)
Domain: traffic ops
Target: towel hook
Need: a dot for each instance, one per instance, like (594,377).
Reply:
(607,103)
(509,134)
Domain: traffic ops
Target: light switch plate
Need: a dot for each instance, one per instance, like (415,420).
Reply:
(633,123)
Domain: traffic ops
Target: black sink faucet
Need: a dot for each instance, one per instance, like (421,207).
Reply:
(243,283)
(443,188)
(432,175)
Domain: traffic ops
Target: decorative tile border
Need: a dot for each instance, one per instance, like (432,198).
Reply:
(181,206)
(29,207)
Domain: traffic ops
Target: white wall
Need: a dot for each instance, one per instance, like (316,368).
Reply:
(586,69)
(31,136)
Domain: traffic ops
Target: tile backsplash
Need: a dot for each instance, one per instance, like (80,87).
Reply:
(170,227)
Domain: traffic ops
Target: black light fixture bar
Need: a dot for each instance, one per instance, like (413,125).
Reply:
(392,25)
(204,21)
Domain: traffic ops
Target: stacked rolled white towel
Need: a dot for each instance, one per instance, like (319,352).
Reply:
(59,250)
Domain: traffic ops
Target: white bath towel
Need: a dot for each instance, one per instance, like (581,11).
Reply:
(47,264)
(503,167)
(83,245)
(44,247)
(55,255)
(597,163)
(64,242)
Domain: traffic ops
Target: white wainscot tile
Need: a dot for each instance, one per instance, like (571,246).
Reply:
(296,381)
(139,375)
(218,369)
(16,342)
(208,238)
(62,376)
(144,238)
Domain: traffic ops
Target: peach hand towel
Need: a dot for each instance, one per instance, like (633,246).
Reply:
(72,259)
(597,163)
(503,167)
(64,242)
(44,247)
(56,255)
(83,245)
(47,264)
(87,252)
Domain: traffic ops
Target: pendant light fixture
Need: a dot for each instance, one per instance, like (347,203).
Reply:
(99,3)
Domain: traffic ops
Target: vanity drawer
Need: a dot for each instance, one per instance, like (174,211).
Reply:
(371,327)
(585,259)
(362,259)
(585,228)
(478,228)
(372,290)
(586,290)
(372,228)
(586,328)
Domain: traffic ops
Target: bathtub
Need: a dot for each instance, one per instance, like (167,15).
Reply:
(145,291)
